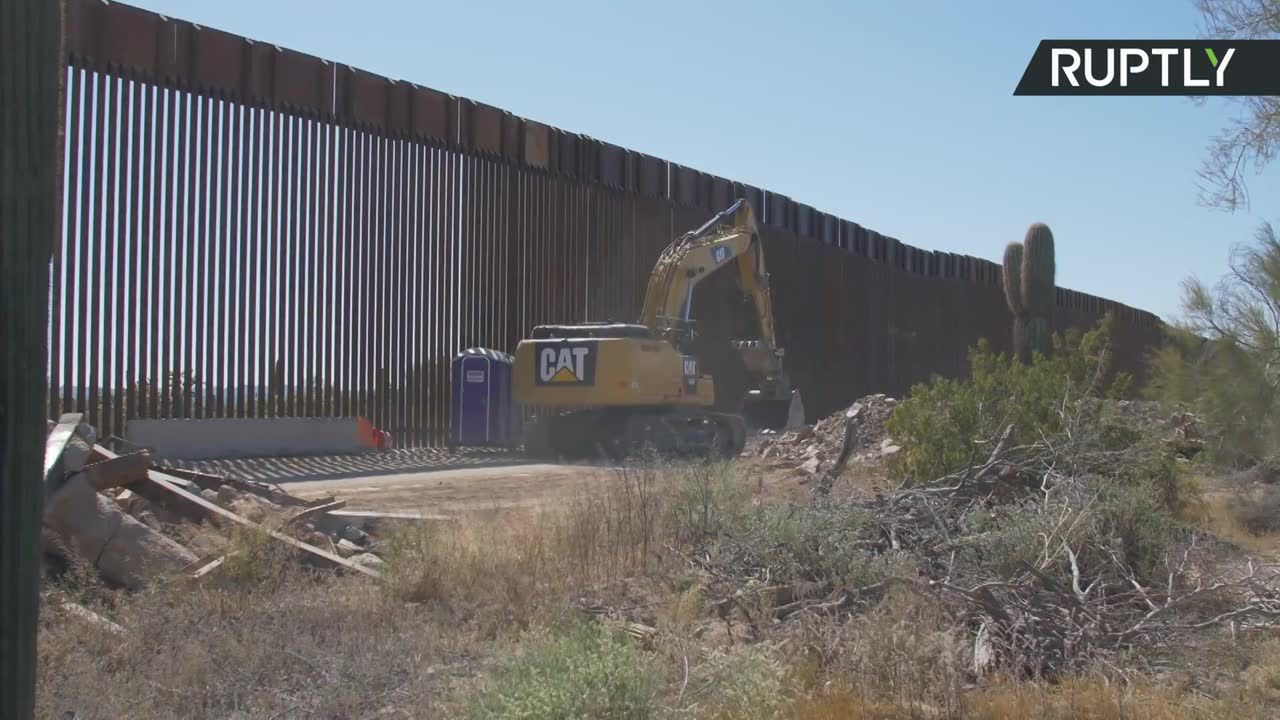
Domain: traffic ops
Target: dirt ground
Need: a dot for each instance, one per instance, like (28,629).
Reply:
(430,482)
(457,491)
(446,483)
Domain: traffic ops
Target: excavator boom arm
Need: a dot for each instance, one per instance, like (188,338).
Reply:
(730,235)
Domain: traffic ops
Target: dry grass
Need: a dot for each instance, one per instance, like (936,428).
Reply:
(1246,516)
(302,645)
(511,570)
(1071,700)
(265,638)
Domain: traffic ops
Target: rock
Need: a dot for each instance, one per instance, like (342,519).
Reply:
(132,502)
(885,443)
(355,535)
(346,548)
(227,495)
(123,549)
(79,448)
(810,467)
(209,495)
(136,505)
(824,439)
(368,560)
(890,452)
(249,507)
(148,518)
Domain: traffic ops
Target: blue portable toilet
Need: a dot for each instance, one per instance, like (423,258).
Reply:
(484,411)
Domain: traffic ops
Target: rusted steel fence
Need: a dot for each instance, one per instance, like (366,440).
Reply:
(253,231)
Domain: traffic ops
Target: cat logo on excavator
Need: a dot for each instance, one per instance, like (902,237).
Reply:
(567,364)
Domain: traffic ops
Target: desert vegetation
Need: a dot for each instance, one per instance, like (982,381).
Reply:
(1037,547)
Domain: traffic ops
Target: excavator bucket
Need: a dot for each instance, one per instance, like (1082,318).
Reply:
(763,411)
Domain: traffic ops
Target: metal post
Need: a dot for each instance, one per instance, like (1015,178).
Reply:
(31,73)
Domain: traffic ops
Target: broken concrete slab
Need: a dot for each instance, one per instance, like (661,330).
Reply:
(346,548)
(119,471)
(124,550)
(367,560)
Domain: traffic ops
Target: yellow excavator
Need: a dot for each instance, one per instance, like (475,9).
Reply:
(616,389)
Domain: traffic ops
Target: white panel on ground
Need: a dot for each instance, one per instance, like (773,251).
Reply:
(214,438)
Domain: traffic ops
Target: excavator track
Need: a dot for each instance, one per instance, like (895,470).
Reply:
(618,433)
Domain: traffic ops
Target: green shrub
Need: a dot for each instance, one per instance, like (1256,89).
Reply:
(743,685)
(586,674)
(1005,541)
(708,499)
(1220,358)
(946,425)
(1096,519)
(254,558)
(1226,384)
(1139,524)
(414,569)
(824,543)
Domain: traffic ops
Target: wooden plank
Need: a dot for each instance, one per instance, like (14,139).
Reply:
(209,481)
(173,486)
(164,481)
(118,471)
(92,617)
(314,512)
(210,566)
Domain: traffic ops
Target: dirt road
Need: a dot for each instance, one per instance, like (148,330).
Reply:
(428,481)
(456,491)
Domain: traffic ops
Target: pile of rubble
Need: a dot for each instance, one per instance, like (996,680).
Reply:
(135,520)
(815,449)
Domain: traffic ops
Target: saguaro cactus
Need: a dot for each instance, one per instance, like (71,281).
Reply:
(1013,296)
(1030,292)
(1038,295)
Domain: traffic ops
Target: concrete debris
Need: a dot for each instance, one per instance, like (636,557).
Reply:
(251,507)
(118,471)
(226,495)
(149,519)
(367,560)
(346,548)
(137,534)
(124,550)
(355,535)
(812,448)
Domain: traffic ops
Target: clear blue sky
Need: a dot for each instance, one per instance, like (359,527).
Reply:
(899,116)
